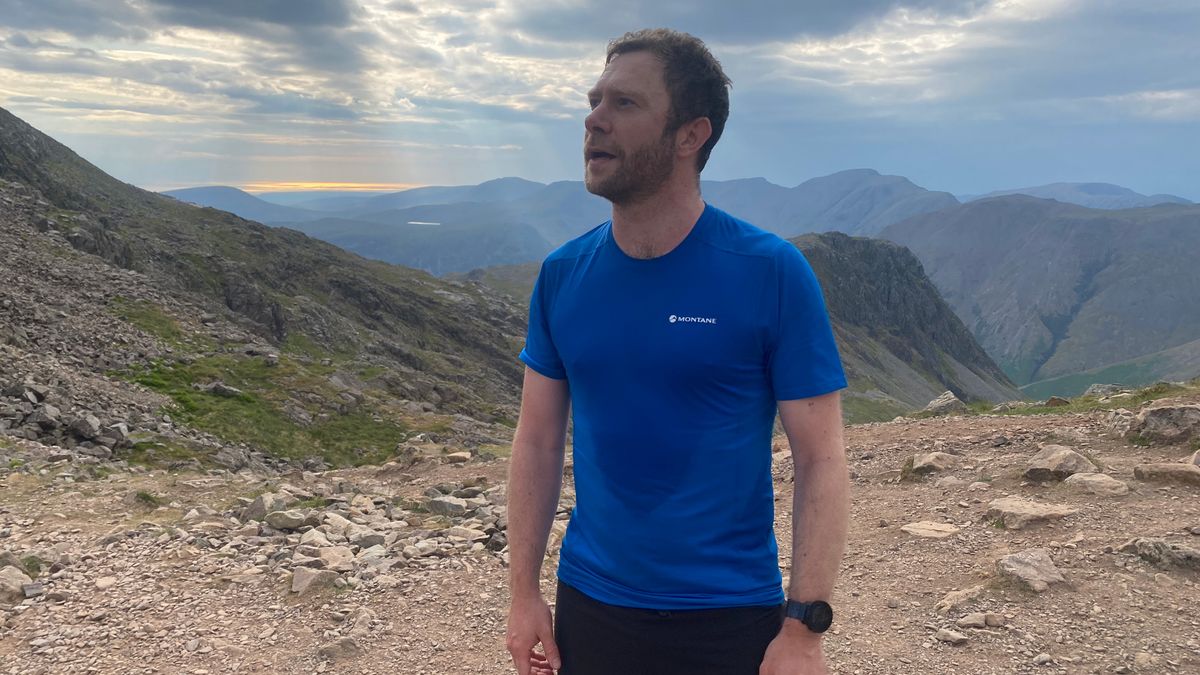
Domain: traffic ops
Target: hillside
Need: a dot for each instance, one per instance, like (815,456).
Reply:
(242,203)
(1053,289)
(327,355)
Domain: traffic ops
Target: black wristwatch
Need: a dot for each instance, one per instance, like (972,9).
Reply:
(816,615)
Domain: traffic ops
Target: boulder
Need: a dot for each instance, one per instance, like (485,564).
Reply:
(340,649)
(946,404)
(456,458)
(306,580)
(926,464)
(1031,568)
(12,585)
(86,427)
(1167,424)
(950,637)
(447,506)
(1161,553)
(263,504)
(1188,474)
(1097,484)
(1015,513)
(285,520)
(363,536)
(1056,462)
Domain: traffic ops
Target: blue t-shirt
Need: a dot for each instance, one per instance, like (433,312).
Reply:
(674,366)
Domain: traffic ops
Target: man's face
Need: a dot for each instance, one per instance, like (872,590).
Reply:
(627,154)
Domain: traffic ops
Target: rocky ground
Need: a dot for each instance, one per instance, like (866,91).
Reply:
(968,552)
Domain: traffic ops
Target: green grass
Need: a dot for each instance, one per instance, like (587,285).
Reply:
(33,566)
(148,317)
(147,499)
(860,409)
(313,503)
(255,416)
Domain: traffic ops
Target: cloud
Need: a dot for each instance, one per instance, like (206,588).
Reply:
(116,19)
(715,22)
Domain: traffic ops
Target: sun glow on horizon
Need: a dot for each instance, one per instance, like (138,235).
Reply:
(310,186)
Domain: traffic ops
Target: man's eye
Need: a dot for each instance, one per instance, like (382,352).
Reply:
(625,101)
(593,103)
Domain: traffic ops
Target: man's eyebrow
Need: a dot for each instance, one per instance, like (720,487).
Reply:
(615,91)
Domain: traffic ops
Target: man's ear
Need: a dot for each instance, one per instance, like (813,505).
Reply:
(692,136)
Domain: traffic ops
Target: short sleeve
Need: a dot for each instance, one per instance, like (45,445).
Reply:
(540,353)
(803,358)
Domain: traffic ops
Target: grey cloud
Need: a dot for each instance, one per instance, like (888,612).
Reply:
(232,15)
(80,18)
(404,6)
(723,22)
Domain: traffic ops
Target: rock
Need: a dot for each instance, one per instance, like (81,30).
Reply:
(86,427)
(1056,402)
(219,388)
(105,583)
(1099,390)
(12,584)
(447,506)
(1195,458)
(1015,513)
(1097,484)
(930,529)
(1032,568)
(340,650)
(314,537)
(972,620)
(1163,554)
(924,465)
(1167,424)
(285,520)
(263,504)
(1043,659)
(456,458)
(468,533)
(306,581)
(1188,474)
(337,558)
(1056,462)
(946,404)
(1119,421)
(950,637)
(1144,662)
(994,619)
(956,600)
(363,536)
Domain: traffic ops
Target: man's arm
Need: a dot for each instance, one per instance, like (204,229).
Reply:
(820,515)
(534,485)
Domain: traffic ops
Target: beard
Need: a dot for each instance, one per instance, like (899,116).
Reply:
(639,175)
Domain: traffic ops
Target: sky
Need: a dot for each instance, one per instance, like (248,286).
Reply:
(966,96)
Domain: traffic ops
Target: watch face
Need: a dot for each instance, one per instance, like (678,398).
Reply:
(820,616)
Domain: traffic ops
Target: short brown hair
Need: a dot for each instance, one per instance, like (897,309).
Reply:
(697,84)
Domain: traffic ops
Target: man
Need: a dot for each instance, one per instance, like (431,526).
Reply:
(673,332)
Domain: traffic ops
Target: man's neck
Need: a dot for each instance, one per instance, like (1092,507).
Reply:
(654,225)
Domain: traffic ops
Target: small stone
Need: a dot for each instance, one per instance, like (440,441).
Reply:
(932,462)
(341,649)
(12,585)
(950,637)
(955,600)
(456,458)
(994,619)
(105,583)
(1056,462)
(447,506)
(1144,661)
(1043,659)
(972,620)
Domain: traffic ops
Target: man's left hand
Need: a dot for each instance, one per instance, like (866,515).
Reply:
(795,651)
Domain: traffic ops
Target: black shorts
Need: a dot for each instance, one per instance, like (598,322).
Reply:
(598,639)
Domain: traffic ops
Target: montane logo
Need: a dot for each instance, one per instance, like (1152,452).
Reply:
(690,319)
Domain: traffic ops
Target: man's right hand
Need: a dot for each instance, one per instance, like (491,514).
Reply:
(530,624)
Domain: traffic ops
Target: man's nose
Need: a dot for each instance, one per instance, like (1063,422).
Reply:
(597,120)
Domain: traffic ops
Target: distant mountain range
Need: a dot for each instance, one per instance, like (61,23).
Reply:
(1091,195)
(1055,291)
(511,220)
